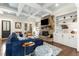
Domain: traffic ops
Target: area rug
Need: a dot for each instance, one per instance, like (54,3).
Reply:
(56,50)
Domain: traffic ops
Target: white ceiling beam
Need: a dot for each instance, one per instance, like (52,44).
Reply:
(45,8)
(50,12)
(20,8)
(33,16)
(9,10)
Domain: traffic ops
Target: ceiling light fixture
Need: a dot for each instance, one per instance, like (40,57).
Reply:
(56,4)
(1,12)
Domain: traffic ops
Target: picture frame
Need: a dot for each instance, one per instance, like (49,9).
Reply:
(25,26)
(36,24)
(30,27)
(18,25)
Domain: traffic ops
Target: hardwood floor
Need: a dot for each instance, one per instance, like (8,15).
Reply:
(77,53)
(0,46)
(2,42)
(66,51)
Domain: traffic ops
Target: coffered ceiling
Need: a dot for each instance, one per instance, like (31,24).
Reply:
(30,10)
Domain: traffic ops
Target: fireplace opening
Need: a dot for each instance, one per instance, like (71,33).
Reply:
(45,33)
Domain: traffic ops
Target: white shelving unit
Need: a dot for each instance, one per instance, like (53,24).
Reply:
(64,36)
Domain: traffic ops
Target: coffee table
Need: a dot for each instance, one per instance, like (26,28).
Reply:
(28,45)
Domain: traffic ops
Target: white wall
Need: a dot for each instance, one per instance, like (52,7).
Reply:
(66,39)
(77,27)
(14,19)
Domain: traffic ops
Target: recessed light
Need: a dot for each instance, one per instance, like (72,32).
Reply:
(56,4)
(74,29)
(1,12)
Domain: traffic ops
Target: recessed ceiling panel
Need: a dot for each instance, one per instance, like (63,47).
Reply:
(33,9)
(41,13)
(23,16)
(6,13)
(4,4)
(13,5)
(51,7)
(41,4)
(44,4)
(29,10)
(9,5)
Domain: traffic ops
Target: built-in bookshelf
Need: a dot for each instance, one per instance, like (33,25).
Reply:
(65,31)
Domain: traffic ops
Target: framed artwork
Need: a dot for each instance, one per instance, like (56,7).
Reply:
(25,25)
(36,24)
(18,25)
(30,27)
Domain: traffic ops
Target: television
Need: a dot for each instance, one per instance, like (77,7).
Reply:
(44,22)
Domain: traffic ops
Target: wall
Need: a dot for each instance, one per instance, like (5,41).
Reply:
(14,19)
(77,27)
(66,39)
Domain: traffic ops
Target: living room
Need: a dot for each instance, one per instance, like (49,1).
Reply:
(53,25)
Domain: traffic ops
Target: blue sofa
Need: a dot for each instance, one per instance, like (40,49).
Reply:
(14,46)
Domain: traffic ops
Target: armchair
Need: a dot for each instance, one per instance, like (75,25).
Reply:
(13,46)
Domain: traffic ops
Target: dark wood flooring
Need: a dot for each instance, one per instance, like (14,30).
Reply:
(77,53)
(66,51)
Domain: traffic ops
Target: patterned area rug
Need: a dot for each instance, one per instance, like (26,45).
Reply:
(41,52)
(55,49)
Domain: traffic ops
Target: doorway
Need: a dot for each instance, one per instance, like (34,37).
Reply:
(6,28)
